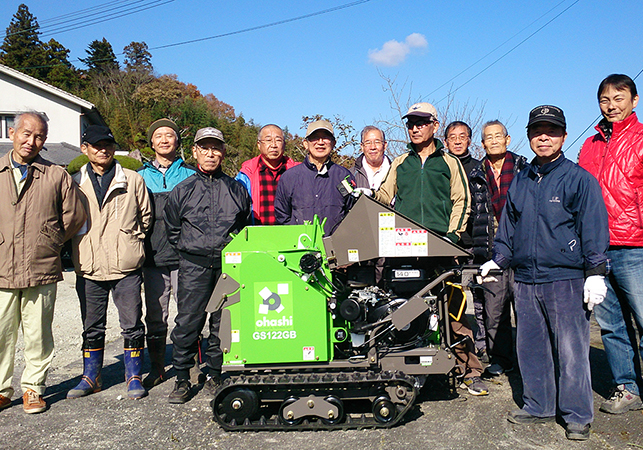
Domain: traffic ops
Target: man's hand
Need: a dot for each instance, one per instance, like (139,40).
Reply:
(486,268)
(359,191)
(595,290)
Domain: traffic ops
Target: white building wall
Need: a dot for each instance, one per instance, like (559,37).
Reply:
(64,116)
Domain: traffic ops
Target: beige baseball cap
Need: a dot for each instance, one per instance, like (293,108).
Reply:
(319,125)
(422,110)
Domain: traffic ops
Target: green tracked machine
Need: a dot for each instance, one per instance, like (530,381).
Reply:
(310,341)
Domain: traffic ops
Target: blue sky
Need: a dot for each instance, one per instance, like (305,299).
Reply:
(333,63)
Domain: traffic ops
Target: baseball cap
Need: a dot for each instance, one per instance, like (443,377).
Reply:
(547,113)
(422,110)
(319,125)
(96,133)
(208,132)
(162,123)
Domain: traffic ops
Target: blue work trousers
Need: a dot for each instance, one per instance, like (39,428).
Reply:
(624,299)
(552,344)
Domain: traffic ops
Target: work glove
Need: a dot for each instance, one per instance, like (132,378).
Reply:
(486,268)
(595,290)
(359,191)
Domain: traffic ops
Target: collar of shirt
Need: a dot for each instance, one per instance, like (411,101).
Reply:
(23,167)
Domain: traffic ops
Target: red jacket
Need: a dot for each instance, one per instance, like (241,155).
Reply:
(618,166)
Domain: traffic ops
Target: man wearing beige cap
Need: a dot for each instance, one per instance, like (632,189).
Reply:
(200,214)
(312,187)
(429,186)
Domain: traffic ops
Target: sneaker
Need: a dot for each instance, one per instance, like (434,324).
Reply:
(621,401)
(475,386)
(181,393)
(520,416)
(577,432)
(4,402)
(32,402)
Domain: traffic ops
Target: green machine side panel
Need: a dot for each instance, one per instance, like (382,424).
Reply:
(279,318)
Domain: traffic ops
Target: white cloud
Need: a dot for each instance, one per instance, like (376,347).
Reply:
(393,52)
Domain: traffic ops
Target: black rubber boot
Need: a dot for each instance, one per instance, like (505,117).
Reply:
(156,350)
(93,352)
(133,359)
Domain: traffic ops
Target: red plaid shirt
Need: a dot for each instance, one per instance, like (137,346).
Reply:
(268,179)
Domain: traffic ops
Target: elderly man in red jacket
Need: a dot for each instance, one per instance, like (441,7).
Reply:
(614,157)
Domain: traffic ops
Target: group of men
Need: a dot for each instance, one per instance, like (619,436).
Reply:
(564,237)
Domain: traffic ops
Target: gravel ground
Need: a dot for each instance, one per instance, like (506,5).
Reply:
(108,420)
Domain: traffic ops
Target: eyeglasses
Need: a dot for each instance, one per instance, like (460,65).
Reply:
(377,143)
(419,124)
(277,141)
(495,137)
(206,150)
(454,138)
(319,138)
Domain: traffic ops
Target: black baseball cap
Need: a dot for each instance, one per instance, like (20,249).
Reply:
(96,133)
(547,113)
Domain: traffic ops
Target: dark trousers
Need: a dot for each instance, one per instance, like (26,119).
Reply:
(94,297)
(552,343)
(196,284)
(497,318)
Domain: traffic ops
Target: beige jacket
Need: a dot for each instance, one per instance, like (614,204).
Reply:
(35,224)
(110,244)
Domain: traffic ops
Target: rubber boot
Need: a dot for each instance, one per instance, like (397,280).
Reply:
(93,352)
(156,350)
(133,359)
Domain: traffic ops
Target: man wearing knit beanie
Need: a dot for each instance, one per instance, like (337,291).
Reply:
(161,262)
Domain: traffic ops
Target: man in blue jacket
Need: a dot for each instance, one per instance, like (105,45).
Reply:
(161,260)
(553,233)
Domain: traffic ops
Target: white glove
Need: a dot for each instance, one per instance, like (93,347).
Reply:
(359,191)
(486,268)
(595,290)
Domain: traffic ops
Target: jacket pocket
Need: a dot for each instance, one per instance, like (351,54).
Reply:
(130,250)
(1,239)
(46,251)
(83,254)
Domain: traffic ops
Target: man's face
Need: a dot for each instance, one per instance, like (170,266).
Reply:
(28,139)
(546,140)
(495,141)
(320,144)
(458,140)
(374,147)
(165,142)
(100,154)
(271,144)
(209,153)
(617,105)
(421,129)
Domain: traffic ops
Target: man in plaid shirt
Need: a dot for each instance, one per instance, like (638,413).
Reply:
(261,174)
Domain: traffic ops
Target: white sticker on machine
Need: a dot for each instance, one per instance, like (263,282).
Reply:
(309,354)
(353,255)
(235,336)
(426,360)
(233,258)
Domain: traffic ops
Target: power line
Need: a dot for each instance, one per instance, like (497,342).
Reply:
(509,51)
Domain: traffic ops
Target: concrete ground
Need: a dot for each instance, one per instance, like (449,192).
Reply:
(109,420)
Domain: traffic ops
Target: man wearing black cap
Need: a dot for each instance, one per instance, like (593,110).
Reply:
(200,214)
(553,233)
(161,260)
(108,254)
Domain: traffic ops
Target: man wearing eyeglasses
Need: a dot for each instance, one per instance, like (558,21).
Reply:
(430,187)
(489,184)
(108,254)
(260,175)
(371,166)
(312,187)
(200,214)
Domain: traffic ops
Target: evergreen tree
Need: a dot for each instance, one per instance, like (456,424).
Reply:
(101,57)
(137,58)
(21,48)
(60,71)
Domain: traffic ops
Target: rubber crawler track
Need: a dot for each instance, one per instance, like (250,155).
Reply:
(301,384)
